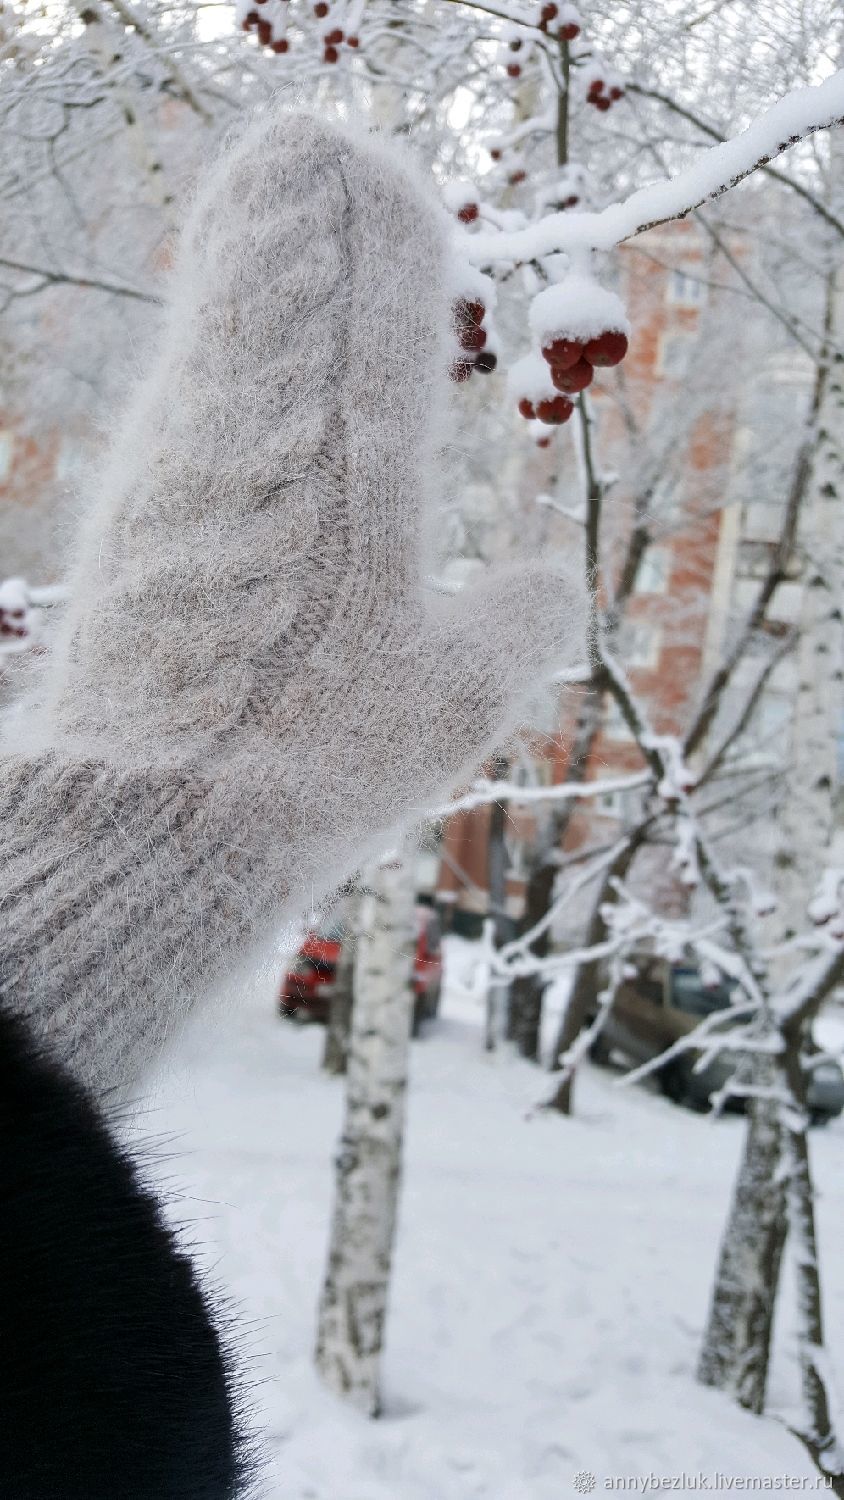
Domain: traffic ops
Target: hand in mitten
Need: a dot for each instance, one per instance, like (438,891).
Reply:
(254,683)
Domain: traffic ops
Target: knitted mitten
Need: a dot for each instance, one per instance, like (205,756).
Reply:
(254,686)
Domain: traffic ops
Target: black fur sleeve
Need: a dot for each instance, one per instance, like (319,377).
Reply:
(113,1381)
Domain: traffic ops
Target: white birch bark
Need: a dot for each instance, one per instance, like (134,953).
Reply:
(335,1054)
(809,838)
(353,1303)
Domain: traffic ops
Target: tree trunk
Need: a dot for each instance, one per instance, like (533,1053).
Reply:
(353,1303)
(737,1341)
(807,821)
(497,895)
(800,1199)
(526,991)
(337,1032)
(587,979)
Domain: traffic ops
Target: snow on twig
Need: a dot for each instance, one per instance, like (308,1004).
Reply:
(484,790)
(799,114)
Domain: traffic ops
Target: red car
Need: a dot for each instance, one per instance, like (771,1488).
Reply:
(307,986)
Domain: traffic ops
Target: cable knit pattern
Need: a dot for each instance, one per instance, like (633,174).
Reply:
(253,686)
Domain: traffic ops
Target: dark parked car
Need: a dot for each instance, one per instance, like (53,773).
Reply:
(308,984)
(663,1003)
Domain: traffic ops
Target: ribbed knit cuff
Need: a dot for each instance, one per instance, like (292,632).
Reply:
(113,905)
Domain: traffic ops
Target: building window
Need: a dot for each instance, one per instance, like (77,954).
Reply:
(644,642)
(625,806)
(686,289)
(7,453)
(652,577)
(610,804)
(674,353)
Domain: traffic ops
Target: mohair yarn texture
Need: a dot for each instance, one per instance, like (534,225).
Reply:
(254,686)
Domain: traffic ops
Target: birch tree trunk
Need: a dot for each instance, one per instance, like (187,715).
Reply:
(814,1363)
(737,1341)
(353,1302)
(335,1054)
(497,989)
(773,1191)
(808,815)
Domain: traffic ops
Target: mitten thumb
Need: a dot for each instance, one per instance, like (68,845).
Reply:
(494,646)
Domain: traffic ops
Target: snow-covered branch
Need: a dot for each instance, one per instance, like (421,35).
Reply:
(798,115)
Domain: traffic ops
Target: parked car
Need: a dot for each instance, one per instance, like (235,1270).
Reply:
(307,986)
(663,1003)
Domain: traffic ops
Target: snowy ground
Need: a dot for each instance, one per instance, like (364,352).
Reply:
(551,1275)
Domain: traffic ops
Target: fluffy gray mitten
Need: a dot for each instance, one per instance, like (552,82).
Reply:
(254,686)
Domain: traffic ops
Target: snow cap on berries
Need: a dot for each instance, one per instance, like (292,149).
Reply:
(577,308)
(529,379)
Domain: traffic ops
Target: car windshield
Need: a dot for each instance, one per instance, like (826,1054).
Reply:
(330,932)
(690,994)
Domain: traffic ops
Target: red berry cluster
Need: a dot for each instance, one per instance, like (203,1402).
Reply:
(472,338)
(274,37)
(572,363)
(569,26)
(553,409)
(603,95)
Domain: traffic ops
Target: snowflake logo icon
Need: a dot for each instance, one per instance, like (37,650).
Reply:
(584,1482)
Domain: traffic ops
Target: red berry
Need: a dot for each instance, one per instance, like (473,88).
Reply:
(596,88)
(320,9)
(250,20)
(472,338)
(495,153)
(576,378)
(330,55)
(603,103)
(544,441)
(549,11)
(569,31)
(461,370)
(526,409)
(516,177)
(265,33)
(486,362)
(554,410)
(334,37)
(607,349)
(513,70)
(616,92)
(352,41)
(468,213)
(468,314)
(281,45)
(562,353)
